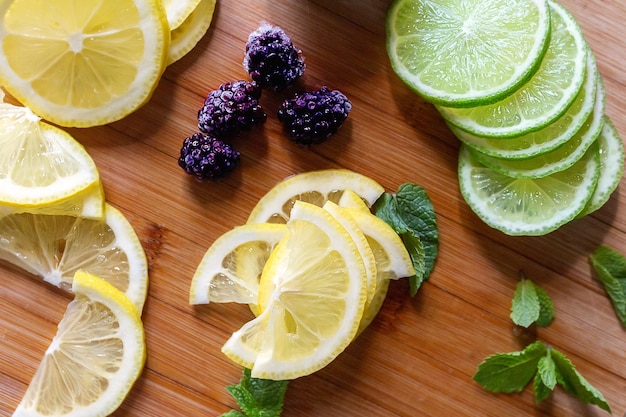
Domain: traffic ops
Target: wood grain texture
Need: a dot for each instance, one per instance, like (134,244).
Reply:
(419,355)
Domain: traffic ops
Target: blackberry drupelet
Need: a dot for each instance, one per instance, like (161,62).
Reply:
(206,157)
(271,58)
(231,109)
(311,117)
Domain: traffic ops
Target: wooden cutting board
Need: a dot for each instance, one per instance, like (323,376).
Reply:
(419,355)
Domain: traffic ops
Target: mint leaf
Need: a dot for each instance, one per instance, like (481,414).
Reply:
(525,306)
(510,372)
(531,305)
(257,397)
(545,380)
(574,383)
(610,266)
(411,214)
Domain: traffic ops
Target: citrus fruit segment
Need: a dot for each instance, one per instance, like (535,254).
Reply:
(82,63)
(351,199)
(231,268)
(611,166)
(549,137)
(544,98)
(527,206)
(557,159)
(177,11)
(191,30)
(311,295)
(466,53)
(39,163)
(94,359)
(314,187)
(55,247)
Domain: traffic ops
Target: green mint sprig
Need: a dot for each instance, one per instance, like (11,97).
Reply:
(257,397)
(512,372)
(531,305)
(411,214)
(610,267)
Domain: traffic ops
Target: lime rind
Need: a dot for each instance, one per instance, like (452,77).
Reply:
(544,98)
(611,166)
(555,160)
(551,136)
(530,207)
(451,53)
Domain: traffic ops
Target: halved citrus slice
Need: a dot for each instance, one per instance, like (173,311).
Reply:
(39,163)
(95,358)
(82,63)
(548,138)
(311,297)
(465,53)
(528,206)
(191,30)
(231,268)
(314,187)
(55,247)
(611,166)
(545,97)
(178,10)
(351,199)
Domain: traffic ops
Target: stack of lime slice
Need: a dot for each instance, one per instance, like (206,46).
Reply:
(518,84)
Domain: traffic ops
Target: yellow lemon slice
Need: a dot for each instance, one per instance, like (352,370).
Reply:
(311,297)
(95,358)
(314,187)
(55,247)
(39,163)
(191,30)
(177,11)
(82,63)
(231,268)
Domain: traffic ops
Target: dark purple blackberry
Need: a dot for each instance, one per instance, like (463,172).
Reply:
(206,157)
(271,59)
(231,109)
(311,117)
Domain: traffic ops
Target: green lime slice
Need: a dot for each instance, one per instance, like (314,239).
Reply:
(611,166)
(544,98)
(548,138)
(466,52)
(557,159)
(528,206)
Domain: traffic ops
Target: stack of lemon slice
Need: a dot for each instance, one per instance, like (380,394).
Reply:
(94,62)
(56,224)
(314,265)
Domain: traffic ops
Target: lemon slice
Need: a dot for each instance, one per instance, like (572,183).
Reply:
(178,10)
(94,359)
(55,247)
(314,187)
(39,163)
(82,63)
(231,268)
(191,30)
(351,199)
(312,293)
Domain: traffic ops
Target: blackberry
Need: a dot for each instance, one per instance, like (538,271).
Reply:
(311,117)
(271,59)
(206,157)
(231,109)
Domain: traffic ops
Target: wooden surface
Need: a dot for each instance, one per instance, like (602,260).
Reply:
(419,355)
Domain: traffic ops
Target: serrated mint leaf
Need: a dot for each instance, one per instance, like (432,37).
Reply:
(525,306)
(510,372)
(574,383)
(546,308)
(410,213)
(541,390)
(610,266)
(545,379)
(258,397)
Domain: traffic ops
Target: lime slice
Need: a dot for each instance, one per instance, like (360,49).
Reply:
(528,206)
(544,98)
(556,160)
(463,53)
(550,137)
(611,166)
